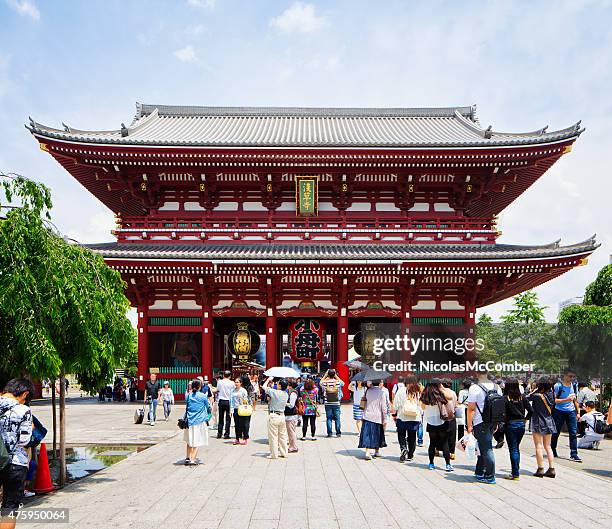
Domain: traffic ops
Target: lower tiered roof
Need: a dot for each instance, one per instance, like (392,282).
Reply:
(307,252)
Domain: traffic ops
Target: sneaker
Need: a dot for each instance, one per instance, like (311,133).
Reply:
(409,458)
(575,459)
(28,493)
(478,476)
(226,437)
(420,443)
(236,442)
(187,462)
(218,437)
(368,457)
(404,456)
(449,468)
(302,438)
(313,438)
(376,454)
(338,435)
(489,481)
(431,466)
(329,435)
(153,423)
(271,457)
(511,477)
(194,463)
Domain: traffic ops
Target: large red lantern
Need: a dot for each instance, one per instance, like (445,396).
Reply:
(307,340)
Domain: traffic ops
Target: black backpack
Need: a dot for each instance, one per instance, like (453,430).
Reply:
(599,425)
(494,410)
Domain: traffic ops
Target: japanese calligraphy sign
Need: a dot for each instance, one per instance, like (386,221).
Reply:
(307,340)
(307,195)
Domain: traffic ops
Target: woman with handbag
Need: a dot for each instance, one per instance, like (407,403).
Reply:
(309,396)
(542,401)
(437,404)
(242,409)
(197,413)
(407,406)
(375,403)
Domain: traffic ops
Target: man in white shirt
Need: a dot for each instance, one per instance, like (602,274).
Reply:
(483,432)
(591,438)
(225,386)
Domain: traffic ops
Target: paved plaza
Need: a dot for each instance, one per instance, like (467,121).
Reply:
(326,485)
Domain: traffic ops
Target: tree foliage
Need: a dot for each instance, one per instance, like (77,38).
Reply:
(61,308)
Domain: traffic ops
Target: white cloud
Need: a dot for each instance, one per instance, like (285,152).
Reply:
(298,18)
(208,4)
(24,8)
(186,54)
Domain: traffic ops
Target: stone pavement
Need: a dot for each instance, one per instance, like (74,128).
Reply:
(326,485)
(91,422)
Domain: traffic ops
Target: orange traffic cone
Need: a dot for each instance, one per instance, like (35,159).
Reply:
(43,482)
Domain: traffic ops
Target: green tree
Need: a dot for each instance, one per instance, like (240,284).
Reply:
(586,331)
(62,309)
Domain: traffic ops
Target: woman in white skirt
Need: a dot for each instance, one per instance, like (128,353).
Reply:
(198,414)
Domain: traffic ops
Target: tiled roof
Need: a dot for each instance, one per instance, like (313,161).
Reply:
(326,253)
(305,127)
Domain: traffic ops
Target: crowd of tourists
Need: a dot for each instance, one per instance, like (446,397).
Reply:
(484,414)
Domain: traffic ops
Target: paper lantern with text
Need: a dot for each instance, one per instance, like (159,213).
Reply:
(243,342)
(307,340)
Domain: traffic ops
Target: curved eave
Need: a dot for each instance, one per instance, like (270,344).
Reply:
(394,254)
(115,138)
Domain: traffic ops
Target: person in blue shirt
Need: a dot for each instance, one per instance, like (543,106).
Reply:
(198,413)
(566,411)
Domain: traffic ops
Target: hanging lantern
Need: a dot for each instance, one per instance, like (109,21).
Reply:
(243,342)
(307,340)
(363,343)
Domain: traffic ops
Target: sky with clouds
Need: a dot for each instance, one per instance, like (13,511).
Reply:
(525,64)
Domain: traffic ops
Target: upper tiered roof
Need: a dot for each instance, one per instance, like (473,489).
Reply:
(306,127)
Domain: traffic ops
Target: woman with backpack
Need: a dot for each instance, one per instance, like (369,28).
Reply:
(543,426)
(309,396)
(438,410)
(518,410)
(408,409)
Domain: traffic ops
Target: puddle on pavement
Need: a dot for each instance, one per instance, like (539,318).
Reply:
(82,461)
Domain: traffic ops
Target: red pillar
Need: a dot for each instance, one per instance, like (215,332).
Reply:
(207,343)
(143,346)
(271,340)
(342,340)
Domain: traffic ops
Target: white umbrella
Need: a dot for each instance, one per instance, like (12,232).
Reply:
(282,372)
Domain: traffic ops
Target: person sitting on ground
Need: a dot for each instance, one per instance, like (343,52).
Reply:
(585,394)
(15,433)
(198,414)
(591,438)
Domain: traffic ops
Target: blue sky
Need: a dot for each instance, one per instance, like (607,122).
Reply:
(526,65)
